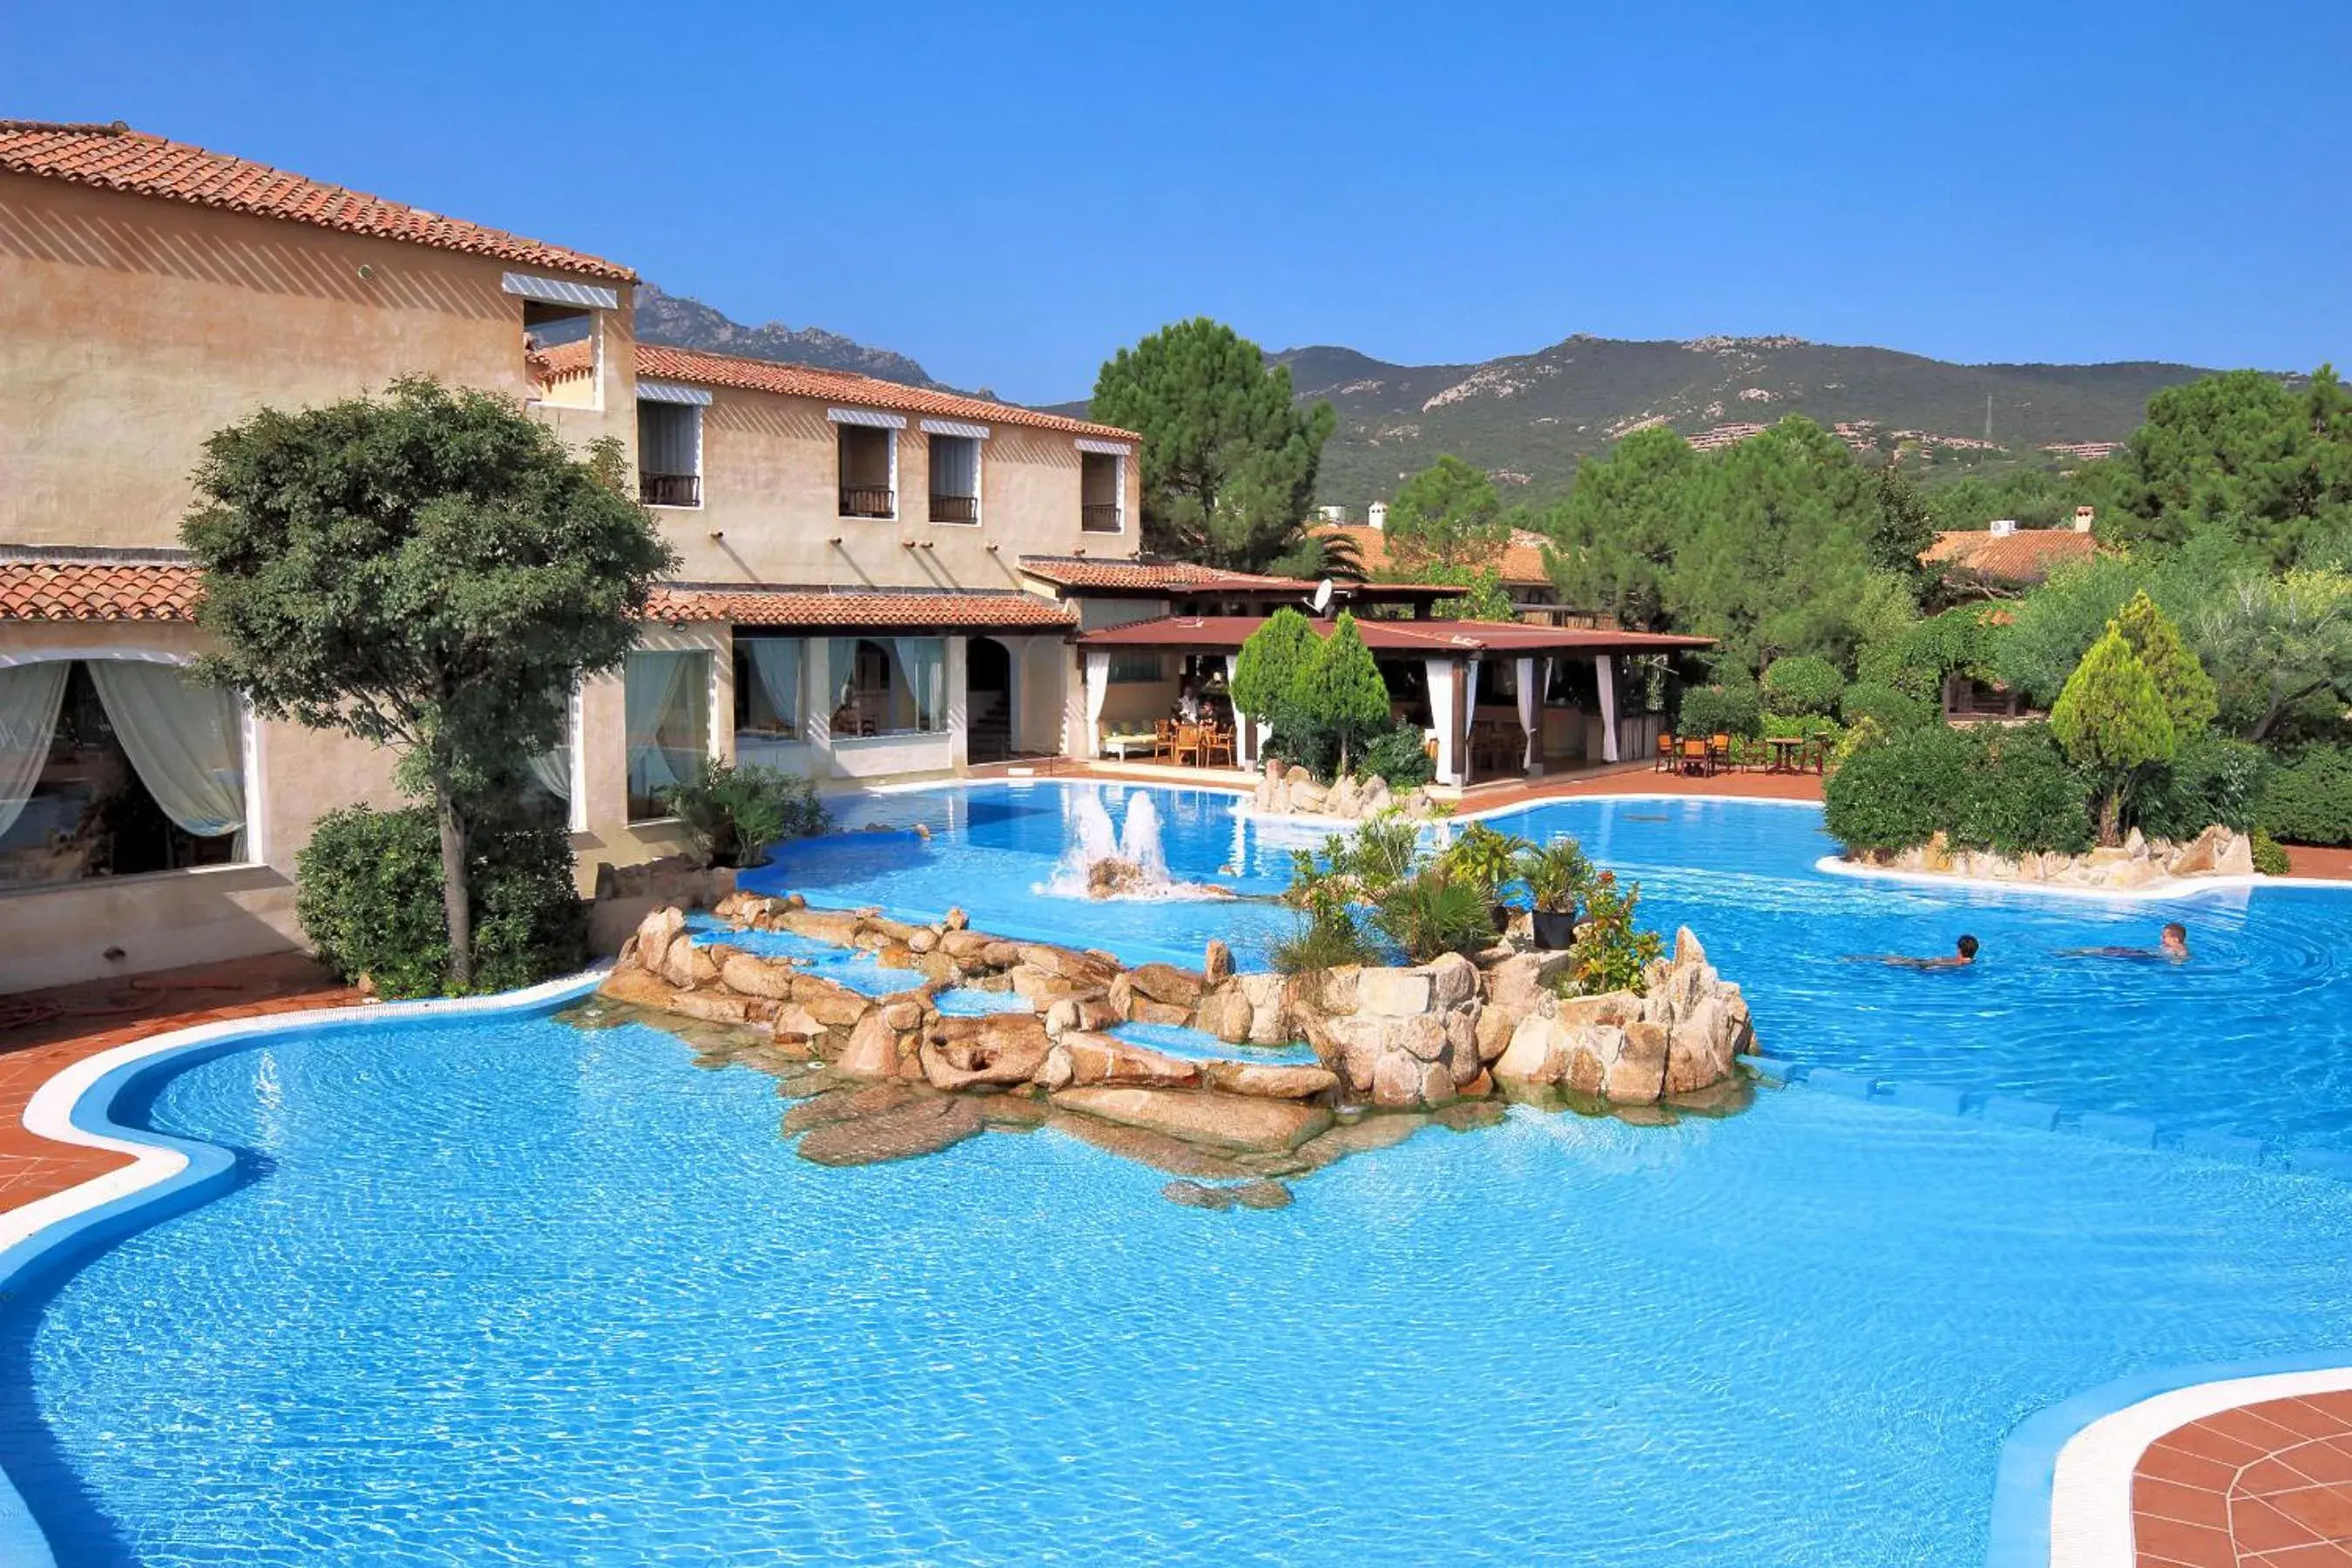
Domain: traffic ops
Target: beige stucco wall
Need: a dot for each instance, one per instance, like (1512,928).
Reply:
(770,490)
(167,918)
(130,328)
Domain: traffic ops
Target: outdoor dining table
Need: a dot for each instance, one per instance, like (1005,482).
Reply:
(1786,756)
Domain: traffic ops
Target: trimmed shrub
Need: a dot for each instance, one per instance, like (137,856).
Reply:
(1720,711)
(2022,796)
(1892,709)
(1398,755)
(733,814)
(2208,780)
(1804,683)
(2269,859)
(368,893)
(2309,800)
(1901,792)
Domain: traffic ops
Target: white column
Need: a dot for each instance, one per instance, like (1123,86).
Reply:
(1604,670)
(1530,713)
(1439,673)
(816,704)
(1243,750)
(958,653)
(1469,712)
(1097,692)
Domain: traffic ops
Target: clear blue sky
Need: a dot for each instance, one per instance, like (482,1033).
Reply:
(1009,193)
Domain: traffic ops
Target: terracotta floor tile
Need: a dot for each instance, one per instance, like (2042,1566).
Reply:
(2258,1526)
(2325,1554)
(2190,1505)
(2305,1417)
(2328,1459)
(2325,1511)
(2202,1440)
(2167,1464)
(2250,1429)
(2275,1474)
(2191,1545)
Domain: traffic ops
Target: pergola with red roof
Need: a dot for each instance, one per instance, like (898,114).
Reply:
(1449,653)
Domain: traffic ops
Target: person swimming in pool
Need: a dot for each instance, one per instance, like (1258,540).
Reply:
(1964,952)
(2173,946)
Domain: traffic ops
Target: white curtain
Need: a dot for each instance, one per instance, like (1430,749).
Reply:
(842,662)
(1097,690)
(30,697)
(1439,673)
(923,662)
(552,768)
(1530,705)
(1604,670)
(650,689)
(776,662)
(184,739)
(1241,721)
(1469,714)
(955,466)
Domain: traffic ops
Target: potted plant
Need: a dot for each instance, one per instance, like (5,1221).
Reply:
(1488,861)
(1557,876)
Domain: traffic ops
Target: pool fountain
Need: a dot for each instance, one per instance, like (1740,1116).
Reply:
(1124,862)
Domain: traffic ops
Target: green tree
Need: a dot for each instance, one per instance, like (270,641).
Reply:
(1341,689)
(2283,645)
(1902,528)
(1448,515)
(2243,454)
(1272,660)
(1616,535)
(431,571)
(2110,719)
(1229,463)
(2187,690)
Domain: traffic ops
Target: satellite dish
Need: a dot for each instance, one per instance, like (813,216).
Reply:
(1323,596)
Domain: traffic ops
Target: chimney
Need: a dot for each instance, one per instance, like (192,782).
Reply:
(1379,514)
(2002,527)
(2083,515)
(1335,513)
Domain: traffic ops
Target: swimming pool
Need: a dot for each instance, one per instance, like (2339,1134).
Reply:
(497,1289)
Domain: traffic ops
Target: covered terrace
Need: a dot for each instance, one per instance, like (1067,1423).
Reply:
(1496,697)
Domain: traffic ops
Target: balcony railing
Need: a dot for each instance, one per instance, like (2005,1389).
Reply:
(1099,517)
(955,509)
(670,489)
(867,501)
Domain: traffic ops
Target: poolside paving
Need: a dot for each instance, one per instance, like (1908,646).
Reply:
(2267,1485)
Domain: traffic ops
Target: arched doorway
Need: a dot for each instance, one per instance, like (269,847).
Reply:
(988,695)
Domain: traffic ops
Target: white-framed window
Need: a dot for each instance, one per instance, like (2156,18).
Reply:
(767,689)
(955,461)
(669,445)
(867,444)
(1102,487)
(551,783)
(115,764)
(665,696)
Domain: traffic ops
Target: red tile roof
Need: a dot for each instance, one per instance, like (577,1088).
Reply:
(1429,638)
(98,590)
(1155,576)
(2028,555)
(117,158)
(1521,565)
(664,363)
(755,606)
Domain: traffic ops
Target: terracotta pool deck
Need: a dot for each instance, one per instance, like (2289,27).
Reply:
(2267,1485)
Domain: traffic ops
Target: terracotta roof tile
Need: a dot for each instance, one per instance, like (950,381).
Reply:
(1176,576)
(117,158)
(660,362)
(1521,564)
(2028,555)
(1439,638)
(97,591)
(756,607)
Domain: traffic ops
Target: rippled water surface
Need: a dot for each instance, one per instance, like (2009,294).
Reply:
(504,1291)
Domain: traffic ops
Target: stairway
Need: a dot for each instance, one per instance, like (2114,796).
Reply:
(987,734)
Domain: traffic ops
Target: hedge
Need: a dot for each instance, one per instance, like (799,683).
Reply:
(2208,780)
(2309,800)
(368,893)
(1894,711)
(2008,790)
(1721,710)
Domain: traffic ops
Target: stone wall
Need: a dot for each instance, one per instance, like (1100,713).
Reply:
(2137,862)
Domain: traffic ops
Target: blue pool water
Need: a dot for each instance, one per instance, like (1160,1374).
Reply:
(498,1291)
(2252,1037)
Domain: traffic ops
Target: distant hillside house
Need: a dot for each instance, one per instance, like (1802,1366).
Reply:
(2005,556)
(1521,566)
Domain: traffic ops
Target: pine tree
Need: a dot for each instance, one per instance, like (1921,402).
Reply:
(1342,690)
(2187,690)
(2111,719)
(1272,661)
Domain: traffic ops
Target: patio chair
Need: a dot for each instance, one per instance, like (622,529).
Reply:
(1719,755)
(1665,762)
(1164,739)
(1186,747)
(1217,741)
(1694,756)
